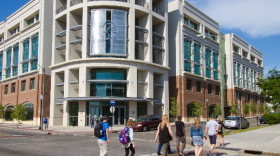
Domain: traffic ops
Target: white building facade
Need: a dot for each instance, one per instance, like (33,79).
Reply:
(108,51)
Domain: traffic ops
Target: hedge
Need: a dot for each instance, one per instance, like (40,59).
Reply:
(272,118)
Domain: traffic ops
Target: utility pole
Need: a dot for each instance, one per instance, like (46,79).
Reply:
(222,74)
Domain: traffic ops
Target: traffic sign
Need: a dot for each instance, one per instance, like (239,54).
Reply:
(112,103)
(112,109)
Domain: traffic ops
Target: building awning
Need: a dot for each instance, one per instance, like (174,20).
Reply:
(106,99)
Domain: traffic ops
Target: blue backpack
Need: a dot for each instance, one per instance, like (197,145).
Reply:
(124,136)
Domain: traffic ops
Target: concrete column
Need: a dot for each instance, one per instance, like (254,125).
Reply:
(131,33)
(82,114)
(150,107)
(83,84)
(52,100)
(65,113)
(85,41)
(165,96)
(66,83)
(67,49)
(150,86)
(149,56)
(132,84)
(132,110)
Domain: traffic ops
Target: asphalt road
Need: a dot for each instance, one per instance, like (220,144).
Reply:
(19,142)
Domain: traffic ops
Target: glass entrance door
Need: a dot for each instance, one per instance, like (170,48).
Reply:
(95,111)
(119,116)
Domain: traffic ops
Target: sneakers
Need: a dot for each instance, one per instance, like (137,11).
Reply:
(180,154)
(159,154)
(208,154)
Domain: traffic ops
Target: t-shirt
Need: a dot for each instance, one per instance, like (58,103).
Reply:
(211,125)
(104,136)
(45,121)
(179,130)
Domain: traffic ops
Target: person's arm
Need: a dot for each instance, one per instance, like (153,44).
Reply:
(183,128)
(170,132)
(201,131)
(107,134)
(206,129)
(157,133)
(131,137)
(217,129)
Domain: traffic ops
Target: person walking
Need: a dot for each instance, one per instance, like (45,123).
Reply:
(130,144)
(165,134)
(104,141)
(160,147)
(197,136)
(46,123)
(180,135)
(92,121)
(211,129)
(220,132)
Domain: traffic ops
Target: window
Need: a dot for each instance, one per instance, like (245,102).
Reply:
(259,62)
(1,39)
(23,85)
(73,113)
(234,72)
(32,83)
(37,17)
(235,49)
(1,64)
(209,89)
(211,111)
(252,79)
(215,65)
(244,76)
(186,21)
(6,89)
(217,90)
(247,77)
(8,63)
(198,87)
(238,74)
(8,111)
(245,54)
(13,87)
(33,19)
(141,108)
(193,25)
(8,73)
(15,61)
(197,58)
(210,35)
(108,34)
(29,111)
(190,110)
(252,58)
(187,55)
(25,56)
(208,62)
(189,85)
(34,53)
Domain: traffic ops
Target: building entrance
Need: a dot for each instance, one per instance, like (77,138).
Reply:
(119,116)
(95,111)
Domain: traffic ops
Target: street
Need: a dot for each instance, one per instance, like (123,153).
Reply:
(18,142)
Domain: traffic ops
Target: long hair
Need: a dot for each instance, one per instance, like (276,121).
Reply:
(164,122)
(196,123)
(130,123)
(221,120)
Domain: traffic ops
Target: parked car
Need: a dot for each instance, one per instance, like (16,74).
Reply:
(262,119)
(234,122)
(144,123)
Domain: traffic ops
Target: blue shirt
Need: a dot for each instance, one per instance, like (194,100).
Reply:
(104,136)
(198,132)
(45,121)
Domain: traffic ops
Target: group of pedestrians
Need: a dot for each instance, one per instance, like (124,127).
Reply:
(164,134)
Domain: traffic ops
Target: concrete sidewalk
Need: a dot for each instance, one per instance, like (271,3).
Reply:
(264,139)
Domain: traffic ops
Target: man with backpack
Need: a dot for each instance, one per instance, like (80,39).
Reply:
(211,128)
(101,131)
(180,135)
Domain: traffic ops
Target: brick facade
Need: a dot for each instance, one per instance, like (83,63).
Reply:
(28,96)
(178,89)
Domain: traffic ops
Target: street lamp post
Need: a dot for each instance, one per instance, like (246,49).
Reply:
(239,114)
(42,99)
(207,108)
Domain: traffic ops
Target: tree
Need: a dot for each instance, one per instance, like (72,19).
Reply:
(246,109)
(18,113)
(270,86)
(261,108)
(217,109)
(175,108)
(275,107)
(233,108)
(254,108)
(198,110)
(267,108)
(1,111)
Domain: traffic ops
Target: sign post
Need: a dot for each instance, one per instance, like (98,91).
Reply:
(112,110)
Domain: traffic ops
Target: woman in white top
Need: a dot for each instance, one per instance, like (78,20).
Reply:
(130,144)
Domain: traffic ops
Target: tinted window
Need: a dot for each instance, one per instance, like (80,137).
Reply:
(140,119)
(231,118)
(154,118)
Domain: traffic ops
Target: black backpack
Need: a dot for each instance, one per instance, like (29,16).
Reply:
(98,130)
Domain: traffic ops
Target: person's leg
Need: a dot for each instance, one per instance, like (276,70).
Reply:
(183,147)
(168,149)
(178,150)
(132,150)
(218,140)
(126,151)
(196,150)
(213,148)
(164,149)
(199,150)
(159,148)
(222,139)
(100,147)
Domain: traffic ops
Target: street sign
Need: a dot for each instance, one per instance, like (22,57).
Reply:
(112,103)
(112,109)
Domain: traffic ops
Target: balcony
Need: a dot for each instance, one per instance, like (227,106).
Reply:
(142,3)
(158,11)
(61,9)
(74,2)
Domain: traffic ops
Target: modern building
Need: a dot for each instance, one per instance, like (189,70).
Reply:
(193,59)
(244,64)
(25,41)
(107,52)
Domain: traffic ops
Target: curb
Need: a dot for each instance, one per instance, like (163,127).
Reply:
(260,152)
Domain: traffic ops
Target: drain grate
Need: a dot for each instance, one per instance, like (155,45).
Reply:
(231,149)
(253,152)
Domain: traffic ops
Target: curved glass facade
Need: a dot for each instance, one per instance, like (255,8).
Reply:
(108,32)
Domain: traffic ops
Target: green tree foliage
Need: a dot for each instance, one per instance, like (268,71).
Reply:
(198,110)
(275,107)
(272,118)
(1,111)
(233,108)
(270,86)
(261,108)
(246,109)
(217,109)
(254,108)
(175,108)
(18,113)
(267,108)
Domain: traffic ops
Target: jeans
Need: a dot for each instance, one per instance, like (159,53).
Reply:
(131,149)
(160,146)
(103,146)
(91,125)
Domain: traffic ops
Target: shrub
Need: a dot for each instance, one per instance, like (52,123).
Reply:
(272,118)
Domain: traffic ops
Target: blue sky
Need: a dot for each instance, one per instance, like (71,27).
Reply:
(255,21)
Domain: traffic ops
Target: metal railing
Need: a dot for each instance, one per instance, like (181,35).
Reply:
(110,0)
(156,10)
(142,3)
(74,2)
(61,9)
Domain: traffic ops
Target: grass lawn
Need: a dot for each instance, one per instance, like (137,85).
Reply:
(245,130)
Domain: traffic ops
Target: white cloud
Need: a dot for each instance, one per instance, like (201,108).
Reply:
(258,18)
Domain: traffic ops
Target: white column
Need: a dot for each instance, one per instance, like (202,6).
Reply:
(132,110)
(165,96)
(65,113)
(132,84)
(83,84)
(85,33)
(82,114)
(131,34)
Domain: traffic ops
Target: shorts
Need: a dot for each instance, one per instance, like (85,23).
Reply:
(220,132)
(46,125)
(180,139)
(197,140)
(212,139)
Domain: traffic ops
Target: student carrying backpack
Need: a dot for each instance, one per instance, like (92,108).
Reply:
(98,130)
(101,131)
(126,138)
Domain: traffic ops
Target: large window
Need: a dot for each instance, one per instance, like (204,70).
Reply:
(189,85)
(8,63)
(187,55)
(23,85)
(197,58)
(107,88)
(32,83)
(73,113)
(217,90)
(25,56)
(190,110)
(186,21)
(198,87)
(6,89)
(193,25)
(15,61)
(8,111)
(234,72)
(209,89)
(208,62)
(244,77)
(238,74)
(34,53)
(141,108)
(1,64)
(215,65)
(29,111)
(13,87)
(211,111)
